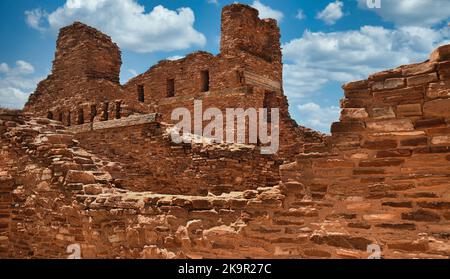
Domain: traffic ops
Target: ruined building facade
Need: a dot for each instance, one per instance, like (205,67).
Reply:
(89,161)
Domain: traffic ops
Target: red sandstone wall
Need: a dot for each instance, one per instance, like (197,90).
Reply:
(145,159)
(381,178)
(84,84)
(247,44)
(386,170)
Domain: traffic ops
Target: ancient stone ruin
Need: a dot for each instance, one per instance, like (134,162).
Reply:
(89,161)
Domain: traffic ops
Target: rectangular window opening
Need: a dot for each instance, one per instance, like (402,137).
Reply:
(204,81)
(118,109)
(170,87)
(141,93)
(93,112)
(105,115)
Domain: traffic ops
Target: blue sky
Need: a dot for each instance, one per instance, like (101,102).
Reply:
(325,43)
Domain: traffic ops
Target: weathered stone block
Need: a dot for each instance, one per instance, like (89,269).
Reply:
(355,85)
(439,205)
(79,177)
(59,139)
(438,90)
(201,204)
(383,113)
(353,113)
(354,102)
(409,110)
(341,240)
(418,69)
(360,93)
(386,162)
(347,127)
(393,73)
(92,189)
(380,144)
(444,70)
(440,54)
(391,125)
(422,79)
(406,204)
(441,140)
(410,246)
(388,84)
(333,163)
(383,217)
(394,153)
(421,215)
(402,226)
(426,123)
(400,96)
(414,141)
(368,171)
(437,108)
(438,131)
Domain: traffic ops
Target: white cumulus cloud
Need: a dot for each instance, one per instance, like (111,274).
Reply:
(267,12)
(16,84)
(318,59)
(318,117)
(175,57)
(127,22)
(412,12)
(331,13)
(350,55)
(35,19)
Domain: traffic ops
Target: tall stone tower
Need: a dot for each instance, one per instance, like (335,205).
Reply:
(86,68)
(244,34)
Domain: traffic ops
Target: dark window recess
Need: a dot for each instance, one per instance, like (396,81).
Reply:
(170,88)
(105,115)
(240,77)
(93,112)
(69,118)
(60,116)
(270,101)
(50,115)
(80,117)
(204,81)
(141,93)
(118,110)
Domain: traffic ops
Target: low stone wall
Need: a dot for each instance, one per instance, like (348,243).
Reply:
(145,159)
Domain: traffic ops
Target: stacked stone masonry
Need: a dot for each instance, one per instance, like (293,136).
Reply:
(103,173)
